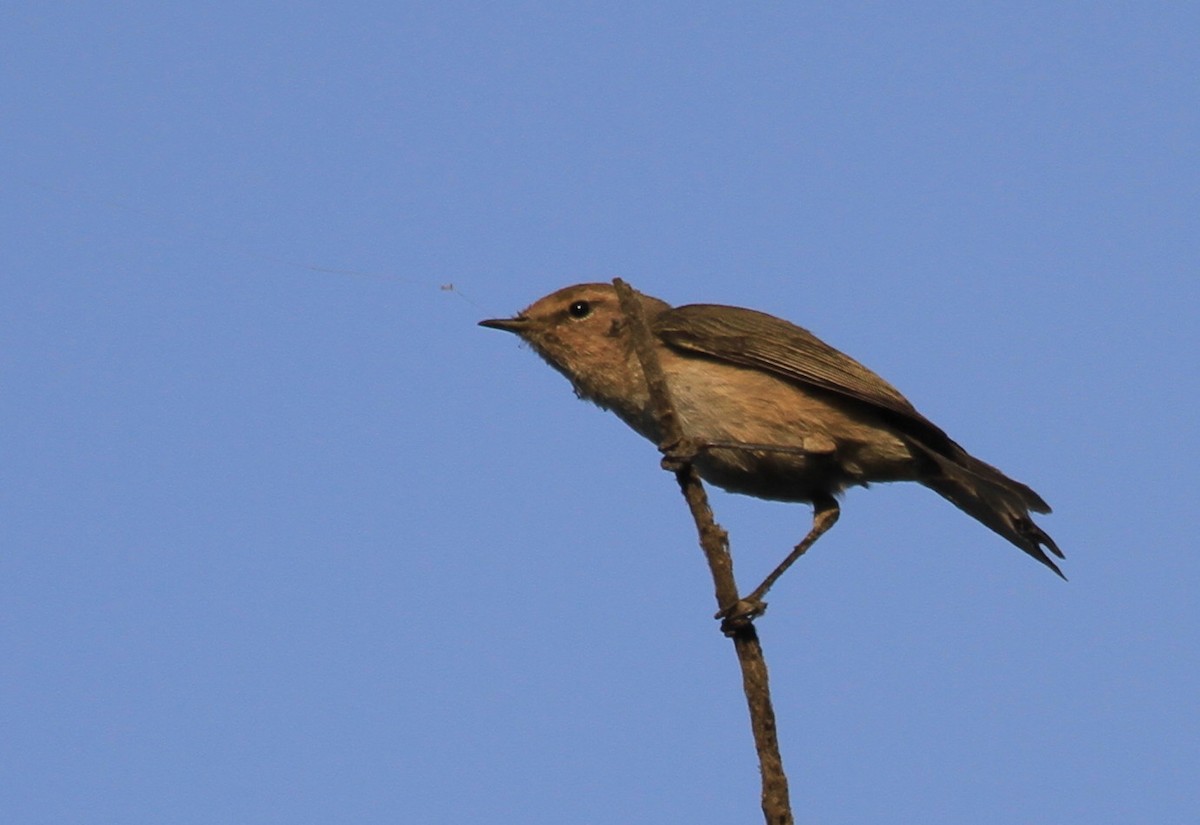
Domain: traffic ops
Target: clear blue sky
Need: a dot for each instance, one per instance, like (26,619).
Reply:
(286,544)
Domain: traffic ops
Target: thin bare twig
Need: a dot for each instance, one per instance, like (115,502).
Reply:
(715,543)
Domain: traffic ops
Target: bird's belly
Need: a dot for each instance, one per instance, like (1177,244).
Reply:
(793,442)
(769,475)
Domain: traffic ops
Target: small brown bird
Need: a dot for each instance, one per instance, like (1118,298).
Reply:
(777,413)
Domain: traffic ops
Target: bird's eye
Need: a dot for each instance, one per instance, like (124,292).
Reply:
(580,309)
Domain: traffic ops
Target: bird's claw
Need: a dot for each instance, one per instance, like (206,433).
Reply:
(679,453)
(740,614)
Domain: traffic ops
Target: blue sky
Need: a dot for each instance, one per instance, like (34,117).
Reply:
(287,538)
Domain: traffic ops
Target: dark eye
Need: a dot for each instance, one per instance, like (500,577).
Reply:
(580,309)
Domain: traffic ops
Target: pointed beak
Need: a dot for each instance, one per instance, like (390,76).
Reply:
(517,325)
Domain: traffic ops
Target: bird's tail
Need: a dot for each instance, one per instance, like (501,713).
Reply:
(991,497)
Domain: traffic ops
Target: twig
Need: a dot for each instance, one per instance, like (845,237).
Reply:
(715,543)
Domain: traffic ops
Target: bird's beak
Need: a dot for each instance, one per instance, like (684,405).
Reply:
(517,325)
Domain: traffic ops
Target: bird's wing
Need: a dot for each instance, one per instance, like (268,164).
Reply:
(761,341)
(764,342)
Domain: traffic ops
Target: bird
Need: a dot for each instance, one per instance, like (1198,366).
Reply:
(776,412)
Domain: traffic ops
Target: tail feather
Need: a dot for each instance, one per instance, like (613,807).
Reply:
(990,475)
(994,499)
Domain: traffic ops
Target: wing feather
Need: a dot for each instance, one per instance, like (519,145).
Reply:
(761,341)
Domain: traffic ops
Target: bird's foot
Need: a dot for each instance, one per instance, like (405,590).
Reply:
(680,453)
(740,614)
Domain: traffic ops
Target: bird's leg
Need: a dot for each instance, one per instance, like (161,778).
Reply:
(681,453)
(825,515)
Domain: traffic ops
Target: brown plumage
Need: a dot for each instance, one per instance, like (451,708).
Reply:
(779,413)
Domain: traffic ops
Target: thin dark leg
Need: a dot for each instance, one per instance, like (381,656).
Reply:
(825,515)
